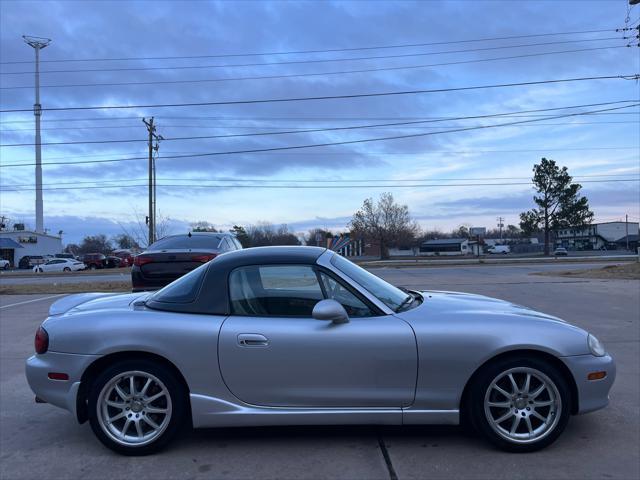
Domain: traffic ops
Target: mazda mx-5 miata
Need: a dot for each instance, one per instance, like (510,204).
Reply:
(303,336)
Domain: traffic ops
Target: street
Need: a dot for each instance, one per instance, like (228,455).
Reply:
(44,441)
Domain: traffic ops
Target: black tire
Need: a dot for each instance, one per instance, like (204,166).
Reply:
(177,404)
(66,269)
(478,418)
(92,267)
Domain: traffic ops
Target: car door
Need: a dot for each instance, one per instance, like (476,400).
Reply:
(273,353)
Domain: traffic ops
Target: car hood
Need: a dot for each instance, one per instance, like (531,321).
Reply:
(456,303)
(85,302)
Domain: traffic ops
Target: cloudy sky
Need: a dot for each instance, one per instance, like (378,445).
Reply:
(157,53)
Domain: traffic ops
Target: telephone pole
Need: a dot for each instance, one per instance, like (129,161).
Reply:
(154,146)
(626,227)
(38,44)
(500,225)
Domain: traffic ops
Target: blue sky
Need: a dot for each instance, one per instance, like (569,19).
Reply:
(590,146)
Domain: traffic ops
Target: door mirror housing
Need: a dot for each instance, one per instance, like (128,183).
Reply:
(330,310)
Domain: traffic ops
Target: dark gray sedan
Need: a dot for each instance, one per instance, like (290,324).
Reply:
(302,336)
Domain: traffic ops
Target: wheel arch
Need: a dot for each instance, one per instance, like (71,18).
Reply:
(541,355)
(103,362)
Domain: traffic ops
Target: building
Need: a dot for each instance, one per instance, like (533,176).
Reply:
(445,246)
(631,241)
(596,236)
(18,243)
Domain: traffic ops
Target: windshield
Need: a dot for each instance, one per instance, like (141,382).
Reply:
(391,296)
(187,242)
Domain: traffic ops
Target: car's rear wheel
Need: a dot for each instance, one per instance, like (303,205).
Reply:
(520,404)
(66,269)
(92,267)
(137,407)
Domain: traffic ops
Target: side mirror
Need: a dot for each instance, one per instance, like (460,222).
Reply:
(330,310)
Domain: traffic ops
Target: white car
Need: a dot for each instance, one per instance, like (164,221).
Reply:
(504,249)
(4,264)
(60,265)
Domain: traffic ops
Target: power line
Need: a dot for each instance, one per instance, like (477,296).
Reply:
(297,187)
(292,52)
(331,97)
(293,180)
(274,118)
(345,142)
(294,129)
(328,60)
(373,154)
(315,74)
(315,130)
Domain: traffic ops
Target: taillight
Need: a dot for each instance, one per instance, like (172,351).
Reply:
(140,260)
(204,258)
(41,341)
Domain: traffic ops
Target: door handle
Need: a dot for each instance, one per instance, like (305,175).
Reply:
(252,340)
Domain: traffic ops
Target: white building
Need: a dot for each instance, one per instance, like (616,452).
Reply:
(595,236)
(19,243)
(445,246)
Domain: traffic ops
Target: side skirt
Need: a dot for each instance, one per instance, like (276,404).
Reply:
(214,412)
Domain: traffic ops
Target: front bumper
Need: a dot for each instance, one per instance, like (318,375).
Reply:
(61,393)
(592,394)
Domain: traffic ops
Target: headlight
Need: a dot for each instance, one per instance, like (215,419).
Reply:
(595,347)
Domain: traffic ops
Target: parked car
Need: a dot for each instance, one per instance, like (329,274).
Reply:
(30,261)
(94,261)
(172,257)
(60,265)
(504,249)
(125,256)
(111,261)
(560,252)
(299,336)
(4,264)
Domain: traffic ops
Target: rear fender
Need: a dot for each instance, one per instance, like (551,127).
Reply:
(71,301)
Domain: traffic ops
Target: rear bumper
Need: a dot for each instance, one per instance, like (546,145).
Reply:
(592,394)
(140,283)
(61,393)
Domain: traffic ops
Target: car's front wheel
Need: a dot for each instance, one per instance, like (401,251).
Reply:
(137,407)
(521,405)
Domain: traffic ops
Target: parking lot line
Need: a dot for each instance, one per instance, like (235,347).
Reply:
(31,301)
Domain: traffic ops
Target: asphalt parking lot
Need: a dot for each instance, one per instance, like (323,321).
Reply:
(40,441)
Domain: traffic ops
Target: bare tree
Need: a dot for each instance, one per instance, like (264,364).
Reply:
(139,231)
(386,222)
(266,234)
(202,226)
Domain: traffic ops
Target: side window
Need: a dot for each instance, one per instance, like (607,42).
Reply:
(224,245)
(274,290)
(352,304)
(237,244)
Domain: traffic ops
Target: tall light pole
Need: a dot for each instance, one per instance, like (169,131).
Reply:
(38,44)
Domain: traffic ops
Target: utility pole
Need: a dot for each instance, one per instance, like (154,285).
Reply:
(153,149)
(38,44)
(500,225)
(626,227)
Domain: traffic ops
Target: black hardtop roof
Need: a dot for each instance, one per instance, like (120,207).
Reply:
(267,255)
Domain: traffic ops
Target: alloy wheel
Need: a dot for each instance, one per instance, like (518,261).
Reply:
(522,405)
(134,408)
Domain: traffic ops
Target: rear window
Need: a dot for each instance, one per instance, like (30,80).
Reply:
(186,242)
(184,289)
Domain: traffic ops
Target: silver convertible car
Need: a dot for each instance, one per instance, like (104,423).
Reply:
(302,336)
